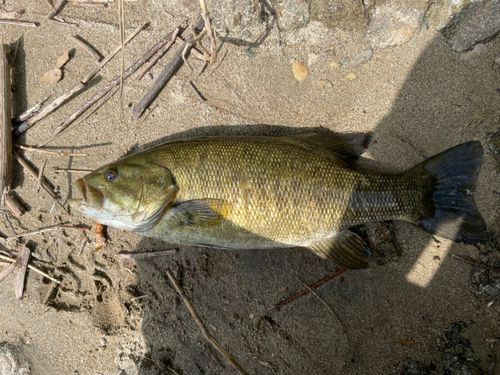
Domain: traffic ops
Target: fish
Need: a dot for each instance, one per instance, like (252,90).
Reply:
(258,192)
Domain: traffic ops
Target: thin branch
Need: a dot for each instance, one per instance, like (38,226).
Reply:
(18,23)
(112,54)
(146,255)
(208,336)
(195,90)
(87,47)
(30,112)
(56,9)
(20,267)
(305,291)
(43,151)
(58,170)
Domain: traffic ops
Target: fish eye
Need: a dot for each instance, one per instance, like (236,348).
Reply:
(110,176)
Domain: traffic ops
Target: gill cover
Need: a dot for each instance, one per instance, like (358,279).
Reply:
(125,195)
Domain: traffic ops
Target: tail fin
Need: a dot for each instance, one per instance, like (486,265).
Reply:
(449,180)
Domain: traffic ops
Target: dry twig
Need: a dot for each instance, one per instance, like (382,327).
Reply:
(18,23)
(58,170)
(195,90)
(208,336)
(145,255)
(476,264)
(30,112)
(47,229)
(87,47)
(43,151)
(305,291)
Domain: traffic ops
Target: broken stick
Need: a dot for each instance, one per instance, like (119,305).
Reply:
(20,266)
(6,134)
(18,23)
(208,336)
(87,47)
(166,75)
(10,259)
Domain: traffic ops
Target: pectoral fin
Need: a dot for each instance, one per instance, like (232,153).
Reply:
(347,249)
(203,212)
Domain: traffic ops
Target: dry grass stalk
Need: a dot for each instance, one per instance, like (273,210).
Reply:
(33,268)
(208,336)
(34,174)
(87,47)
(58,170)
(18,23)
(112,54)
(41,150)
(47,229)
(121,12)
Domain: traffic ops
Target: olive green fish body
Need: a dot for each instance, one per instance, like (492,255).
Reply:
(275,192)
(263,192)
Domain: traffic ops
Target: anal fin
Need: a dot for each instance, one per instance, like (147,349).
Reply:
(347,249)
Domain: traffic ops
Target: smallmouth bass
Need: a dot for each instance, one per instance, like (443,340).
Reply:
(272,192)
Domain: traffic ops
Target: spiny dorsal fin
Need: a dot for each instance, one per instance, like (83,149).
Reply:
(204,212)
(348,147)
(347,249)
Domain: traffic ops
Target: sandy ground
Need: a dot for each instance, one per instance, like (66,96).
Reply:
(417,99)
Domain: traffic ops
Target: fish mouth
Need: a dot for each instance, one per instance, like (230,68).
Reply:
(92,197)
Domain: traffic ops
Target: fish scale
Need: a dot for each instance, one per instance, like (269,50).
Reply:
(265,192)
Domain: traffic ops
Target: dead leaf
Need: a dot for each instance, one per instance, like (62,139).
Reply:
(21,265)
(100,240)
(63,59)
(52,76)
(15,15)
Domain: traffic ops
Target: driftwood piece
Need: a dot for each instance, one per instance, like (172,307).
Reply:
(30,112)
(87,47)
(65,125)
(5,121)
(6,134)
(166,75)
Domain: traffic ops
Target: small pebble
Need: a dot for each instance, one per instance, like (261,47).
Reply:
(344,62)
(362,58)
(284,289)
(250,52)
(351,76)
(300,70)
(324,83)
(312,58)
(333,64)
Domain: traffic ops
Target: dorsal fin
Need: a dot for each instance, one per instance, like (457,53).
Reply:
(348,147)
